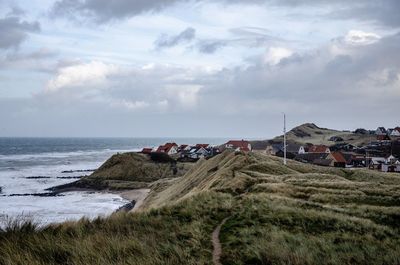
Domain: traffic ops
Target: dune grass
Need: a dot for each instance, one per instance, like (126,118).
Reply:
(277,215)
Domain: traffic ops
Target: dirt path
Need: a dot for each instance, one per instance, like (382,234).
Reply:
(217,249)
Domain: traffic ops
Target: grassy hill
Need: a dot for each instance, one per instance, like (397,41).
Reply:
(299,214)
(311,133)
(130,171)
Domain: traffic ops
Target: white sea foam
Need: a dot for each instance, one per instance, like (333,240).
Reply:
(44,210)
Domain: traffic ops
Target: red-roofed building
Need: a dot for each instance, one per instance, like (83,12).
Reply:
(319,149)
(169,148)
(239,145)
(147,150)
(202,145)
(338,160)
(395,132)
(382,137)
(183,147)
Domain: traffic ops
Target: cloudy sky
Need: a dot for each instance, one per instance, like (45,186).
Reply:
(224,68)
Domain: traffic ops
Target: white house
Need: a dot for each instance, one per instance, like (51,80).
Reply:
(381,131)
(302,150)
(395,132)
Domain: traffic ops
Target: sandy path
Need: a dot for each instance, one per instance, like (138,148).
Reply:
(217,249)
(135,195)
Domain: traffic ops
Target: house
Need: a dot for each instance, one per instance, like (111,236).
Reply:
(147,150)
(319,149)
(381,131)
(291,150)
(376,162)
(239,145)
(337,159)
(169,148)
(388,168)
(183,147)
(195,153)
(391,160)
(382,137)
(202,145)
(395,132)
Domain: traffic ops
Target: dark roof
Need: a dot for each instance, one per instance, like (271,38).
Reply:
(290,148)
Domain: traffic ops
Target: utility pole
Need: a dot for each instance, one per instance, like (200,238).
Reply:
(284,139)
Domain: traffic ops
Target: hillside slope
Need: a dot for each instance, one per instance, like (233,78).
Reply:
(311,133)
(129,171)
(299,214)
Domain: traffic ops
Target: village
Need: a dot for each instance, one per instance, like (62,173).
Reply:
(382,154)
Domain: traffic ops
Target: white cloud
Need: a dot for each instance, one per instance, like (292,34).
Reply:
(275,54)
(84,74)
(358,37)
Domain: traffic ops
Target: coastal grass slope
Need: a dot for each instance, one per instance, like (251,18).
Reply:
(130,171)
(309,133)
(299,214)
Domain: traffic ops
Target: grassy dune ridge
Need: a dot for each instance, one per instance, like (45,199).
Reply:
(299,214)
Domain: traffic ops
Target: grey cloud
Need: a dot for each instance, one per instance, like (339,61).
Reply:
(105,10)
(384,12)
(14,31)
(210,47)
(165,41)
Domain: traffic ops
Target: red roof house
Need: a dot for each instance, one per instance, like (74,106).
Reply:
(147,150)
(169,148)
(319,149)
(202,145)
(241,145)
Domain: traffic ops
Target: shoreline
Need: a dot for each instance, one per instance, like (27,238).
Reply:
(136,197)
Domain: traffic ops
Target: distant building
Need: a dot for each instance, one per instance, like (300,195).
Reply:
(239,145)
(291,150)
(381,131)
(382,137)
(168,148)
(395,132)
(337,159)
(147,150)
(319,149)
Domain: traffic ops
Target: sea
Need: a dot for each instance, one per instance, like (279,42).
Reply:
(29,166)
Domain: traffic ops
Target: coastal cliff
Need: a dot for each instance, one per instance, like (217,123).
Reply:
(129,171)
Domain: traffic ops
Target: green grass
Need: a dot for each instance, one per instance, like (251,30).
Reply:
(277,215)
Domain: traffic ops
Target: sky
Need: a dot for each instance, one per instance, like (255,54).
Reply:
(196,68)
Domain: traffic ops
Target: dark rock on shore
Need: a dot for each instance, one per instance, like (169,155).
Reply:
(78,171)
(127,207)
(38,177)
(72,177)
(44,194)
